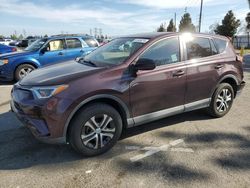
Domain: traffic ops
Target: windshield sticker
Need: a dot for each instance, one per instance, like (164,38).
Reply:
(140,40)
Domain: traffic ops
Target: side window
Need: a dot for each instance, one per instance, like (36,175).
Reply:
(198,48)
(55,45)
(220,44)
(213,48)
(73,43)
(91,42)
(164,52)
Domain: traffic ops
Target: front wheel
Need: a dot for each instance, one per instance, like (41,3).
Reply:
(95,129)
(222,100)
(23,70)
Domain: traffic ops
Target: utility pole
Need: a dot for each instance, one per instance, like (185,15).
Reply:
(200,16)
(175,22)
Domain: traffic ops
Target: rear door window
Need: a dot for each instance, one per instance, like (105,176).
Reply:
(198,47)
(73,43)
(221,45)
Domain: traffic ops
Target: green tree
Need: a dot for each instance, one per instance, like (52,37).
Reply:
(186,23)
(229,25)
(20,37)
(45,35)
(13,37)
(161,28)
(171,27)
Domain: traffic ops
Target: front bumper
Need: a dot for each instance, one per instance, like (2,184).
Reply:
(5,73)
(31,114)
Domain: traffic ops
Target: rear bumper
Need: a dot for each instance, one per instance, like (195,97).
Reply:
(240,87)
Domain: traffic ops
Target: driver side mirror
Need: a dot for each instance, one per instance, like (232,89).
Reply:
(144,64)
(44,49)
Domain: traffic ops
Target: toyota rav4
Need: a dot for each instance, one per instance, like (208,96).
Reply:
(128,82)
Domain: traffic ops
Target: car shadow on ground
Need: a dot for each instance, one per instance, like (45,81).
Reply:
(19,149)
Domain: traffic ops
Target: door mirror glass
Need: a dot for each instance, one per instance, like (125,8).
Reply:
(144,64)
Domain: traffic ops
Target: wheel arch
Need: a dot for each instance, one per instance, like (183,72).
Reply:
(230,79)
(111,100)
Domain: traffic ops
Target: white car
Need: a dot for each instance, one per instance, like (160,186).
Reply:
(6,41)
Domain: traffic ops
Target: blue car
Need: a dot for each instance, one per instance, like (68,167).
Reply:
(6,49)
(43,52)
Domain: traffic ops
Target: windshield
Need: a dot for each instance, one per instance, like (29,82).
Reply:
(115,52)
(36,45)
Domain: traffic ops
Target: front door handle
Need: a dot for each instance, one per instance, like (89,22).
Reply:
(60,53)
(178,73)
(81,51)
(218,66)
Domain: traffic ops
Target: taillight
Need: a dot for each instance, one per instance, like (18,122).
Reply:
(13,49)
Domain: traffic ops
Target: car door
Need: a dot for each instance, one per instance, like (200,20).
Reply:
(203,70)
(160,92)
(75,48)
(54,52)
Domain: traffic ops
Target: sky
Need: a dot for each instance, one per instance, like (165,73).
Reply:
(114,17)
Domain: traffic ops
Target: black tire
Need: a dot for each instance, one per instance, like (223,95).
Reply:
(22,67)
(80,128)
(216,108)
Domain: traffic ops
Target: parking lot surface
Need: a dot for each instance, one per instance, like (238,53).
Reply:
(188,150)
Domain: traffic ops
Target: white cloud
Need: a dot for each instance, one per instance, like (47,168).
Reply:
(167,4)
(74,14)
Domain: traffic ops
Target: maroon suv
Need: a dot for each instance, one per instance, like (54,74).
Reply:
(130,81)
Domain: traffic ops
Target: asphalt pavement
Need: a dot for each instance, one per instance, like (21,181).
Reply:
(187,150)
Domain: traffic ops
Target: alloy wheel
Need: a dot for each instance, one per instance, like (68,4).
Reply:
(98,131)
(24,71)
(224,100)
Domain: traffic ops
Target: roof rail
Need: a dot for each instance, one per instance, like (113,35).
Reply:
(66,35)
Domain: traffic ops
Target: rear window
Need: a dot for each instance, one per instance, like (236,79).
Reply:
(91,42)
(220,44)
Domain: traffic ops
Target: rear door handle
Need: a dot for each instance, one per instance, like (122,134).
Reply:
(178,73)
(219,66)
(60,53)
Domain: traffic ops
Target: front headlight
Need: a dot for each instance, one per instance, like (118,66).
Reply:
(4,61)
(47,92)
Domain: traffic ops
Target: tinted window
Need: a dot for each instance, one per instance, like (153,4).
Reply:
(91,42)
(73,43)
(220,44)
(198,48)
(164,52)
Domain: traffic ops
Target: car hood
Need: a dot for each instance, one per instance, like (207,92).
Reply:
(57,74)
(15,54)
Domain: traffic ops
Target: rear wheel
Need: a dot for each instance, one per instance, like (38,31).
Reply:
(95,129)
(222,100)
(23,70)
